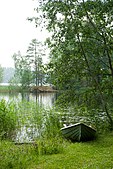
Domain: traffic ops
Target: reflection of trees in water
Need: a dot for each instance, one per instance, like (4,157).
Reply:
(46,99)
(25,96)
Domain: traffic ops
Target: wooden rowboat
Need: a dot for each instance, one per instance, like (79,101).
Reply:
(79,132)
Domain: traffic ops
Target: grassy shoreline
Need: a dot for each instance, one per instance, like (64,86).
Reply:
(9,89)
(4,88)
(88,155)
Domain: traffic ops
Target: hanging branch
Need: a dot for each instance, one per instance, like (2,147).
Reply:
(104,103)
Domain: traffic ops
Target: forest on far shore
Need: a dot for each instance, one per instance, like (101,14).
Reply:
(8,73)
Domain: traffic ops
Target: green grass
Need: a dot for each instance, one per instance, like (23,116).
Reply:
(4,88)
(96,154)
(10,89)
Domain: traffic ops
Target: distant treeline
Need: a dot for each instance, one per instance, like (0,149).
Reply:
(8,73)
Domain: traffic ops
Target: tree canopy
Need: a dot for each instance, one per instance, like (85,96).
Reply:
(34,56)
(29,68)
(23,73)
(81,51)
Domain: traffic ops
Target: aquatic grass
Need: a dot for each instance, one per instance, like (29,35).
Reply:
(7,119)
(46,123)
(29,112)
(50,140)
(30,119)
(52,124)
(15,115)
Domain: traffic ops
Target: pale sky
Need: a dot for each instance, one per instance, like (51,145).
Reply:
(16,32)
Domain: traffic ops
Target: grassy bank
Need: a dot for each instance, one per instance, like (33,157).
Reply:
(97,154)
(4,88)
(9,89)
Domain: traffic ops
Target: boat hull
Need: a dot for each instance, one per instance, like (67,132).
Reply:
(79,132)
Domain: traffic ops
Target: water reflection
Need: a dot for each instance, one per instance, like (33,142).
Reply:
(45,99)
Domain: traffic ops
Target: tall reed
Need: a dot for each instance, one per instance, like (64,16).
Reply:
(7,119)
(42,125)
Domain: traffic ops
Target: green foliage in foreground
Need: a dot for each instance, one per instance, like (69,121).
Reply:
(14,116)
(88,155)
(7,119)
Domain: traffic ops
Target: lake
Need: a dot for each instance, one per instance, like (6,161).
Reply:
(44,99)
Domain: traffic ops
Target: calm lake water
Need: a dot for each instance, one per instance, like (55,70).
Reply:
(45,99)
